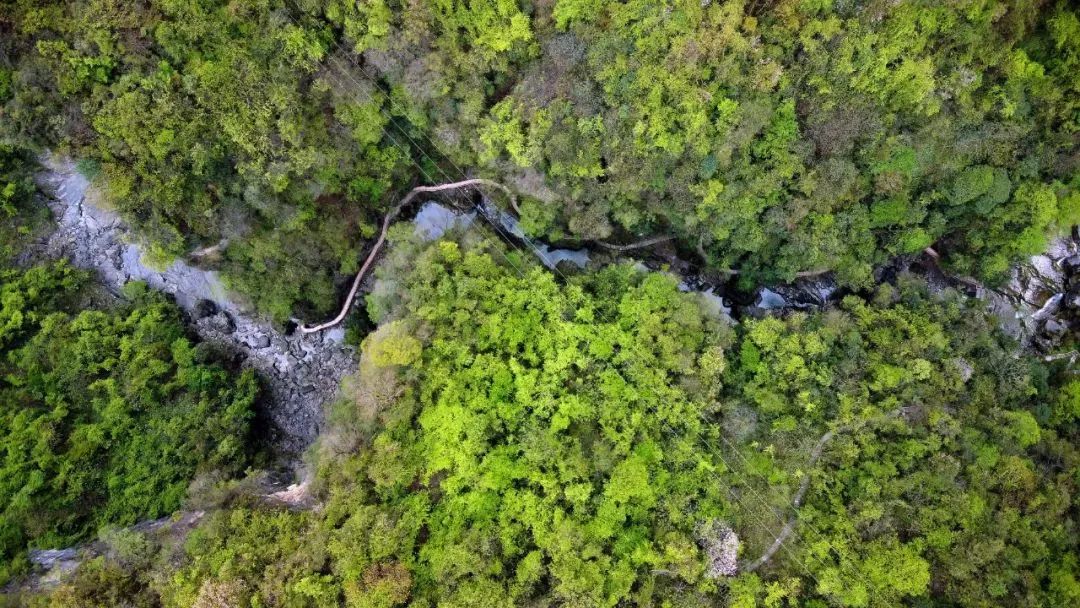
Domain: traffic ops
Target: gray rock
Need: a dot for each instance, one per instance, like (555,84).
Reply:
(334,335)
(49,558)
(1043,269)
(1049,308)
(205,308)
(1036,303)
(434,220)
(1054,327)
(721,545)
(218,325)
(548,256)
(259,341)
(1007,312)
(770,300)
(965,368)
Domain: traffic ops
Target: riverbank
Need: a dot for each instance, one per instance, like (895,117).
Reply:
(1039,304)
(303,371)
(300,373)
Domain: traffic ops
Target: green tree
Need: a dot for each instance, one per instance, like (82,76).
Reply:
(106,415)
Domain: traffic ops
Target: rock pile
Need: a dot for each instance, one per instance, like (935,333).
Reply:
(1041,301)
(721,545)
(300,372)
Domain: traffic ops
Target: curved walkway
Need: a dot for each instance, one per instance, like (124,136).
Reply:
(389,219)
(409,198)
(476,182)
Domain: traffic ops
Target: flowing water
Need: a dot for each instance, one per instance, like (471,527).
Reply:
(303,371)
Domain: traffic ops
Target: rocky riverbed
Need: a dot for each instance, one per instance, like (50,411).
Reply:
(1038,306)
(299,372)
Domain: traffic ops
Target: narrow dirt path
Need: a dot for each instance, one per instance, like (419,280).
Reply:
(804,485)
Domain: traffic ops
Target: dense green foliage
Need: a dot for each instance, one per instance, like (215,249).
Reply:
(105,415)
(947,472)
(208,122)
(771,136)
(19,216)
(516,442)
(779,137)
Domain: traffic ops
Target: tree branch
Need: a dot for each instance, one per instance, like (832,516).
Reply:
(638,245)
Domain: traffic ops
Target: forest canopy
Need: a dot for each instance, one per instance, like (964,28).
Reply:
(771,137)
(105,415)
(20,217)
(511,441)
(518,437)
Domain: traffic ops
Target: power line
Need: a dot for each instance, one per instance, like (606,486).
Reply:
(761,500)
(496,225)
(389,97)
